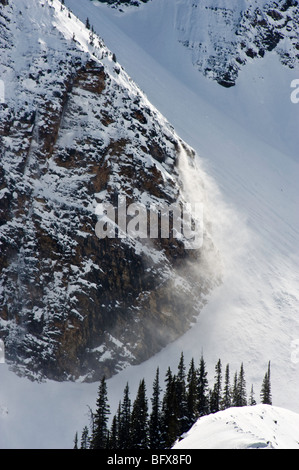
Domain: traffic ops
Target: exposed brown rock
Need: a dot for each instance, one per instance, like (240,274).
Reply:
(73,305)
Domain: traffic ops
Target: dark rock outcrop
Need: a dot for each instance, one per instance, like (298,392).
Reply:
(76,131)
(223,38)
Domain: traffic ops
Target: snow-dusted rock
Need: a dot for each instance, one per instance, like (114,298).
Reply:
(76,132)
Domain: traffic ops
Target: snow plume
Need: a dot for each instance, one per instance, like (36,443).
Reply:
(252,315)
(219,219)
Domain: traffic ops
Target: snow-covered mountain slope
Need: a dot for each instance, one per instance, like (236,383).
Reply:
(247,140)
(222,36)
(230,32)
(251,427)
(77,132)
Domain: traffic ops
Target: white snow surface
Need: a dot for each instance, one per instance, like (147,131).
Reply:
(247,141)
(248,427)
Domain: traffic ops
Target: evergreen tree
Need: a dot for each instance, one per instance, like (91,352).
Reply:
(139,419)
(113,435)
(185,399)
(192,411)
(155,431)
(91,37)
(215,399)
(266,397)
(181,396)
(226,399)
(124,432)
(235,391)
(76,441)
(252,401)
(100,434)
(84,438)
(87,24)
(242,395)
(202,389)
(239,395)
(170,423)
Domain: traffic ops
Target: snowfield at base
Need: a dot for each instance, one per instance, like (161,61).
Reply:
(249,427)
(247,140)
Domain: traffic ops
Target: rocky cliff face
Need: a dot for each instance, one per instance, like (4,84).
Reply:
(119,3)
(76,131)
(223,36)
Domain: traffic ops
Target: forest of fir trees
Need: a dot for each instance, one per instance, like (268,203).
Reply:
(187,396)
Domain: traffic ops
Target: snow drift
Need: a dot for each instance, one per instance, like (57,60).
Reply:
(249,427)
